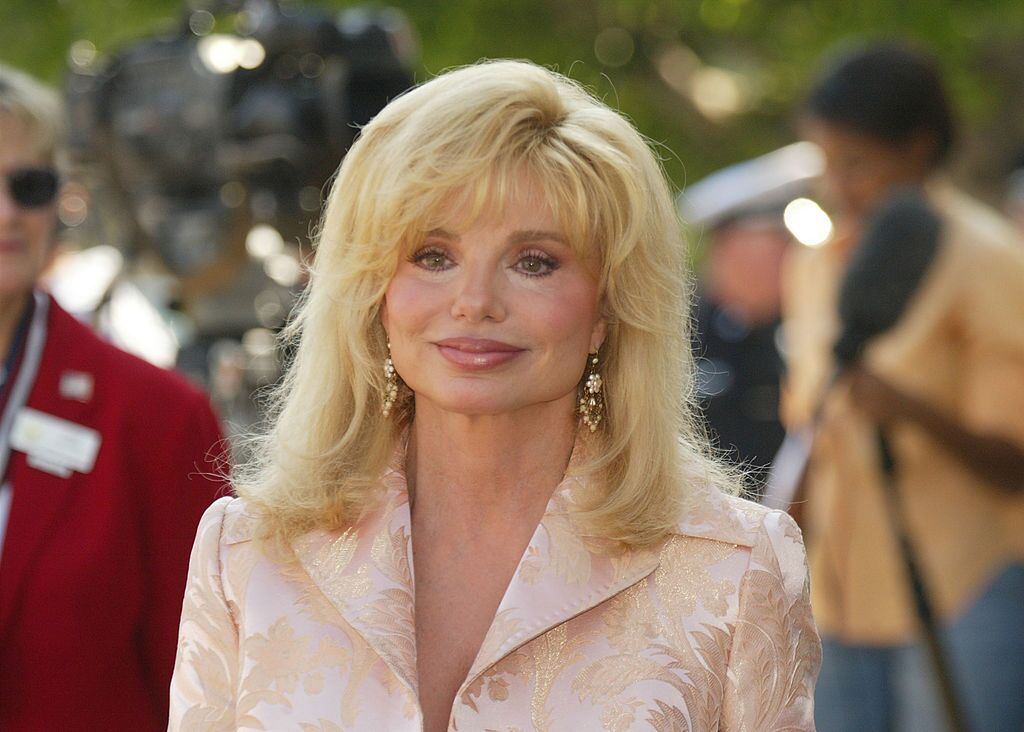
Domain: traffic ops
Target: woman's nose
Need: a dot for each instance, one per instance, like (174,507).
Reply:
(478,296)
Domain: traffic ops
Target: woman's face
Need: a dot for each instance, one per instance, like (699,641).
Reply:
(494,318)
(860,169)
(26,234)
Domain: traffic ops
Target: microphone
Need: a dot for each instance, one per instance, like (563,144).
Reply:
(900,240)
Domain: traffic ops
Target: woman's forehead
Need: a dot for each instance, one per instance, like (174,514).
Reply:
(516,198)
(19,146)
(473,206)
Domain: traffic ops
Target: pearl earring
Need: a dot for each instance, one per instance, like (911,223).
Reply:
(591,405)
(390,383)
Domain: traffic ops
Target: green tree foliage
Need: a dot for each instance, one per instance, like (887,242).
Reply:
(711,81)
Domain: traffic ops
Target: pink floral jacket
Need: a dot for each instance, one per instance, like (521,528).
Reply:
(710,631)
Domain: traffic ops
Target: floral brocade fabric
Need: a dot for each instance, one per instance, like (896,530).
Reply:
(710,631)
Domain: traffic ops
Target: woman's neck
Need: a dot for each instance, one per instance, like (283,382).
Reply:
(472,469)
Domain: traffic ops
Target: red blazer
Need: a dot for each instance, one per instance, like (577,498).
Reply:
(93,566)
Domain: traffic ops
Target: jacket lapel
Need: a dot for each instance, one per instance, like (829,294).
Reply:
(560,576)
(366,574)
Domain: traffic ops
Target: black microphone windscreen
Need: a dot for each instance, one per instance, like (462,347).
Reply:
(899,241)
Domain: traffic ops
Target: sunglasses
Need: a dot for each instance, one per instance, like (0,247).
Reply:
(32,187)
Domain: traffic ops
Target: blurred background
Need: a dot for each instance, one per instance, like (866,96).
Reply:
(714,80)
(203,131)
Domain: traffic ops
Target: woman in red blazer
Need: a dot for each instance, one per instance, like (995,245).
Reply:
(106,465)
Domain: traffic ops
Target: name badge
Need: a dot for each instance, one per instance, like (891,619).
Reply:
(54,444)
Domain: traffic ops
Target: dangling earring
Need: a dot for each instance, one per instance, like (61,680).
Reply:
(592,396)
(390,383)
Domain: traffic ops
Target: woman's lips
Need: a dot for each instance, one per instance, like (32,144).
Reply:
(476,354)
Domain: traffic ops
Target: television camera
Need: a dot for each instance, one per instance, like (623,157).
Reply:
(205,151)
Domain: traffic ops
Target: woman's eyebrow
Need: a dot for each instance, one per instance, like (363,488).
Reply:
(528,235)
(516,237)
(443,234)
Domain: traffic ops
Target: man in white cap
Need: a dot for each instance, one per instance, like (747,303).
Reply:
(737,215)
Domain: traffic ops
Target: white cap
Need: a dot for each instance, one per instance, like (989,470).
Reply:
(765,184)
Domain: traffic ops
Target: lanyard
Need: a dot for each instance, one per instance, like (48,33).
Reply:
(15,347)
(26,376)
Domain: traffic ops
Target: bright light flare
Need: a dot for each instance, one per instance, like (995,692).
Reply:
(807,222)
(250,53)
(263,241)
(284,269)
(224,54)
(717,93)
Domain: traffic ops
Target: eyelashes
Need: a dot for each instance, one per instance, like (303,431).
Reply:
(432,259)
(536,264)
(530,263)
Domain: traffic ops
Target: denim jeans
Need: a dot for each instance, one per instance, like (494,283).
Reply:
(893,688)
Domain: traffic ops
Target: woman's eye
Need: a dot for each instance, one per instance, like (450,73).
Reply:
(433,260)
(536,265)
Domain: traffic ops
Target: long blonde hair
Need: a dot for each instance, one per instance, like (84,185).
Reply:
(472,132)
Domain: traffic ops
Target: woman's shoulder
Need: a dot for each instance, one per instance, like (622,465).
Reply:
(711,513)
(771,538)
(233,519)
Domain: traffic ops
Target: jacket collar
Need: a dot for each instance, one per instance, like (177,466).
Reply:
(562,574)
(366,574)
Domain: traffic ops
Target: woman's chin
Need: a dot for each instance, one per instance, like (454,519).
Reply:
(470,406)
(472,403)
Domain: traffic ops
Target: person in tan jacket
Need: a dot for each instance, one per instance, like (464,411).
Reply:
(947,385)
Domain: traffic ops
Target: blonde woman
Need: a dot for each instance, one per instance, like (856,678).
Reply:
(483,502)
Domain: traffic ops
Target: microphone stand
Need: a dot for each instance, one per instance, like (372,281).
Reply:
(792,480)
(922,603)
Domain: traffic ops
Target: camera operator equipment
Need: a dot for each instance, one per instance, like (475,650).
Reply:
(212,144)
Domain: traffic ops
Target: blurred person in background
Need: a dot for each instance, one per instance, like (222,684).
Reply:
(106,465)
(738,214)
(947,385)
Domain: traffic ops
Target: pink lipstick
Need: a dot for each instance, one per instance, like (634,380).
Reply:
(476,354)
